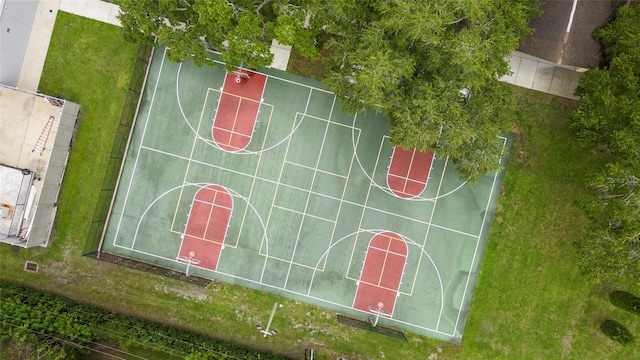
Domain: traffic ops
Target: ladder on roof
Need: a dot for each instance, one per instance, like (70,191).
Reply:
(39,146)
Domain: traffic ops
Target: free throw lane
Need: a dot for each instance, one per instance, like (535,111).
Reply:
(206,227)
(237,111)
(381,273)
(409,171)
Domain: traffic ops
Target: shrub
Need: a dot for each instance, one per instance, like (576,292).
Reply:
(616,331)
(626,301)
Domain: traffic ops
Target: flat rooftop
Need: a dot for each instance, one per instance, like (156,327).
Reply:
(35,137)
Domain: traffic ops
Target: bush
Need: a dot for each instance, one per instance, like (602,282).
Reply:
(626,301)
(25,311)
(616,331)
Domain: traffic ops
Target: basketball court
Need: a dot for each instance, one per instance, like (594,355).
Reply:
(257,178)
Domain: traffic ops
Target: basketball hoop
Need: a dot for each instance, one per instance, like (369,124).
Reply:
(240,75)
(377,311)
(189,261)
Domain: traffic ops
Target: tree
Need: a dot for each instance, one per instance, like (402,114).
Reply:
(241,30)
(609,112)
(621,36)
(431,67)
(611,248)
(609,118)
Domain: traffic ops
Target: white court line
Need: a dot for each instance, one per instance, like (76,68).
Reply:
(257,168)
(366,199)
(313,180)
(573,12)
(388,251)
(344,191)
(232,133)
(282,79)
(318,170)
(374,232)
(323,143)
(135,163)
(278,184)
(226,228)
(408,179)
(195,139)
(304,214)
(475,253)
(426,235)
(201,185)
(212,204)
(280,290)
(312,192)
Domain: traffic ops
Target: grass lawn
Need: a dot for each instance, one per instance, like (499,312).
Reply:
(530,301)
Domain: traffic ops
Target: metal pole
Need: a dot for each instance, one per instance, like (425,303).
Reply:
(273,313)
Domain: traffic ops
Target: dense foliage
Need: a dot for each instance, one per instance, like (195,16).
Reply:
(431,67)
(625,300)
(241,30)
(616,331)
(609,119)
(60,328)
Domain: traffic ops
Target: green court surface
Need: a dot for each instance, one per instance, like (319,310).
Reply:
(298,203)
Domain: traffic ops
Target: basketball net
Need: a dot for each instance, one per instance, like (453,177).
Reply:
(377,311)
(240,75)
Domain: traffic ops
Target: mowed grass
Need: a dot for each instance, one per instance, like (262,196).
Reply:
(531,302)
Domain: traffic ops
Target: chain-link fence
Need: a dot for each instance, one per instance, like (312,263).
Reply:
(109,183)
(153,269)
(366,325)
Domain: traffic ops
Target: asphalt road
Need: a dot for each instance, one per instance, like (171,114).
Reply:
(563,32)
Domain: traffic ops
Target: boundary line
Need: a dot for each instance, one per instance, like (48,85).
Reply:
(255,172)
(282,79)
(475,253)
(309,192)
(365,206)
(275,194)
(193,147)
(312,192)
(135,163)
(280,289)
(313,179)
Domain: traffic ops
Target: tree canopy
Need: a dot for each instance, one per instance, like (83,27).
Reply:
(431,67)
(609,118)
(241,30)
(609,112)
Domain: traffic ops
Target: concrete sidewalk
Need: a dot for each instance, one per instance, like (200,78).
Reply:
(538,74)
(527,71)
(92,9)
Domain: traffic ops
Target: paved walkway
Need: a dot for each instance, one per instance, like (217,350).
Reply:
(528,71)
(538,74)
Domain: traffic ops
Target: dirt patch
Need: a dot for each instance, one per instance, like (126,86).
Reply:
(189,293)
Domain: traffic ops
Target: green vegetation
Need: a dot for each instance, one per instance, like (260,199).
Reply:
(616,331)
(626,301)
(431,67)
(71,325)
(609,119)
(531,301)
(240,30)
